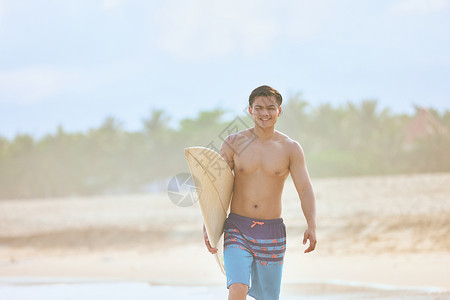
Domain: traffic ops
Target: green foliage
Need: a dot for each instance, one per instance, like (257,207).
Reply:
(349,140)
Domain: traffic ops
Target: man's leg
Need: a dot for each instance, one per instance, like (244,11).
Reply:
(238,267)
(266,281)
(237,291)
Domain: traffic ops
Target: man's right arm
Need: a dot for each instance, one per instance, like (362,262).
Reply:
(226,151)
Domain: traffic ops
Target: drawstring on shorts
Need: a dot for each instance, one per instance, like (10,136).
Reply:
(256,223)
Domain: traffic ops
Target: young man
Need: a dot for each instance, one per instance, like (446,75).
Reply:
(255,235)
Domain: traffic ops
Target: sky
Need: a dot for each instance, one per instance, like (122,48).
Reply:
(74,63)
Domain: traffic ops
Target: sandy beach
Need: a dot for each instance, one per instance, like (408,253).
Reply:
(380,237)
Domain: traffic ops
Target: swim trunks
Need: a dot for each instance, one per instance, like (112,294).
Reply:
(253,254)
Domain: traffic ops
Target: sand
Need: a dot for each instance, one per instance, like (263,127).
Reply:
(385,234)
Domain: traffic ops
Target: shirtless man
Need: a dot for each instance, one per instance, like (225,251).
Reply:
(255,235)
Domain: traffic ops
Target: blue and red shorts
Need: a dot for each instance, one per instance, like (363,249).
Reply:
(253,254)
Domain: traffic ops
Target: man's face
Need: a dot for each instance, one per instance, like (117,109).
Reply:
(265,111)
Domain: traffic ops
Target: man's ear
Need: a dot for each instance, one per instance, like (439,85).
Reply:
(279,111)
(250,110)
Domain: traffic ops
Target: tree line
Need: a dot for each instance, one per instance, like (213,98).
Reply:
(347,140)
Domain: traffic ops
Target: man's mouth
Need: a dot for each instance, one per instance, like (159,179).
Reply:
(264,119)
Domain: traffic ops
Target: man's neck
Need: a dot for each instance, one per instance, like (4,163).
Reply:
(264,134)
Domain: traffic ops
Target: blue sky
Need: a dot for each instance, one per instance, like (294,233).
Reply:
(73,63)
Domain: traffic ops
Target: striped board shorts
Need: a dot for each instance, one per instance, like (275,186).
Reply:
(253,254)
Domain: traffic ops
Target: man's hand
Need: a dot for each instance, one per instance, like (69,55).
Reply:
(208,245)
(311,236)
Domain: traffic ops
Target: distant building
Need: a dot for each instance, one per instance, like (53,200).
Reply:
(422,126)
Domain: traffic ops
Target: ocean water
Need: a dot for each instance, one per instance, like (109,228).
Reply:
(73,289)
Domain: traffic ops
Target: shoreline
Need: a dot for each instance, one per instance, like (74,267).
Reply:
(18,288)
(323,284)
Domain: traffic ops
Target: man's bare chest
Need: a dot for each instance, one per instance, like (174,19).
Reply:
(269,159)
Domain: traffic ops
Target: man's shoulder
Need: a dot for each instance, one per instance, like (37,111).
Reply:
(246,133)
(293,148)
(233,142)
(286,140)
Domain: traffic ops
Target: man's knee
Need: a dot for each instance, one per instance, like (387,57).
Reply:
(237,291)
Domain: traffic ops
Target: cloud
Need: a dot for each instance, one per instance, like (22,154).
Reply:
(2,9)
(414,7)
(35,84)
(111,4)
(202,29)
(31,84)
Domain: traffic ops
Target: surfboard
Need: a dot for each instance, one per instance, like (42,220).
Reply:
(214,181)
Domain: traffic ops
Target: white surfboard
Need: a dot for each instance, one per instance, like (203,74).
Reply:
(214,185)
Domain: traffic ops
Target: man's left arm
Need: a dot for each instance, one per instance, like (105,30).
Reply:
(302,182)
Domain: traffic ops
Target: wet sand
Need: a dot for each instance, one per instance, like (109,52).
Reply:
(386,236)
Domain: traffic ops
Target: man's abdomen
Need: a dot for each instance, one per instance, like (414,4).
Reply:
(257,197)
